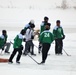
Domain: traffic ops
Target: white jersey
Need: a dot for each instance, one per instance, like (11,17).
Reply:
(27,25)
(29,33)
(56,27)
(42,24)
(20,36)
(2,36)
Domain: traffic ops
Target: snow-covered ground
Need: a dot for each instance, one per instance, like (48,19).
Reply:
(14,19)
(55,65)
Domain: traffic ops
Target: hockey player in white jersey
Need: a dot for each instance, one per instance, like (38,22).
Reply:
(29,40)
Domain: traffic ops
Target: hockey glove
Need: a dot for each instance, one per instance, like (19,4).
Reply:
(32,37)
(21,47)
(2,48)
(24,40)
(63,37)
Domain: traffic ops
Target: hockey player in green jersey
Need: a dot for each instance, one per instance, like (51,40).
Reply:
(59,36)
(42,28)
(3,41)
(17,47)
(46,38)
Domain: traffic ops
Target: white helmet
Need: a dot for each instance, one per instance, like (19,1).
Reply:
(32,21)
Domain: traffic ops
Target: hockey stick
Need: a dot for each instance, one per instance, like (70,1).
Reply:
(66,53)
(38,49)
(11,42)
(33,59)
(29,56)
(35,46)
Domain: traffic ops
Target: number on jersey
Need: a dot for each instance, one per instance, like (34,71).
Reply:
(46,35)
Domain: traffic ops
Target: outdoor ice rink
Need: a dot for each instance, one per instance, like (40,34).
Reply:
(13,20)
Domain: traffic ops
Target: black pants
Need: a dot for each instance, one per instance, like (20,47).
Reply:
(14,53)
(28,45)
(45,49)
(39,48)
(58,46)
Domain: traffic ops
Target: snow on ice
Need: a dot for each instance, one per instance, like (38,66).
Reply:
(14,19)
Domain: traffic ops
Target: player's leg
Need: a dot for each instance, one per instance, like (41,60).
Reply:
(12,55)
(7,47)
(19,56)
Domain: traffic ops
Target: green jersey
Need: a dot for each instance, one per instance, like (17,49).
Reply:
(42,27)
(46,37)
(58,32)
(18,41)
(3,39)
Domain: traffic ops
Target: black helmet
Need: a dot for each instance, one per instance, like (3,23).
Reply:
(22,32)
(46,18)
(47,26)
(58,21)
(32,26)
(3,31)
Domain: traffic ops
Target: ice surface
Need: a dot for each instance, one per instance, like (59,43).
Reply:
(55,65)
(14,19)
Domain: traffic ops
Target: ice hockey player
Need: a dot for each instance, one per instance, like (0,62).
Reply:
(3,41)
(46,38)
(29,40)
(59,36)
(29,24)
(42,28)
(18,47)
